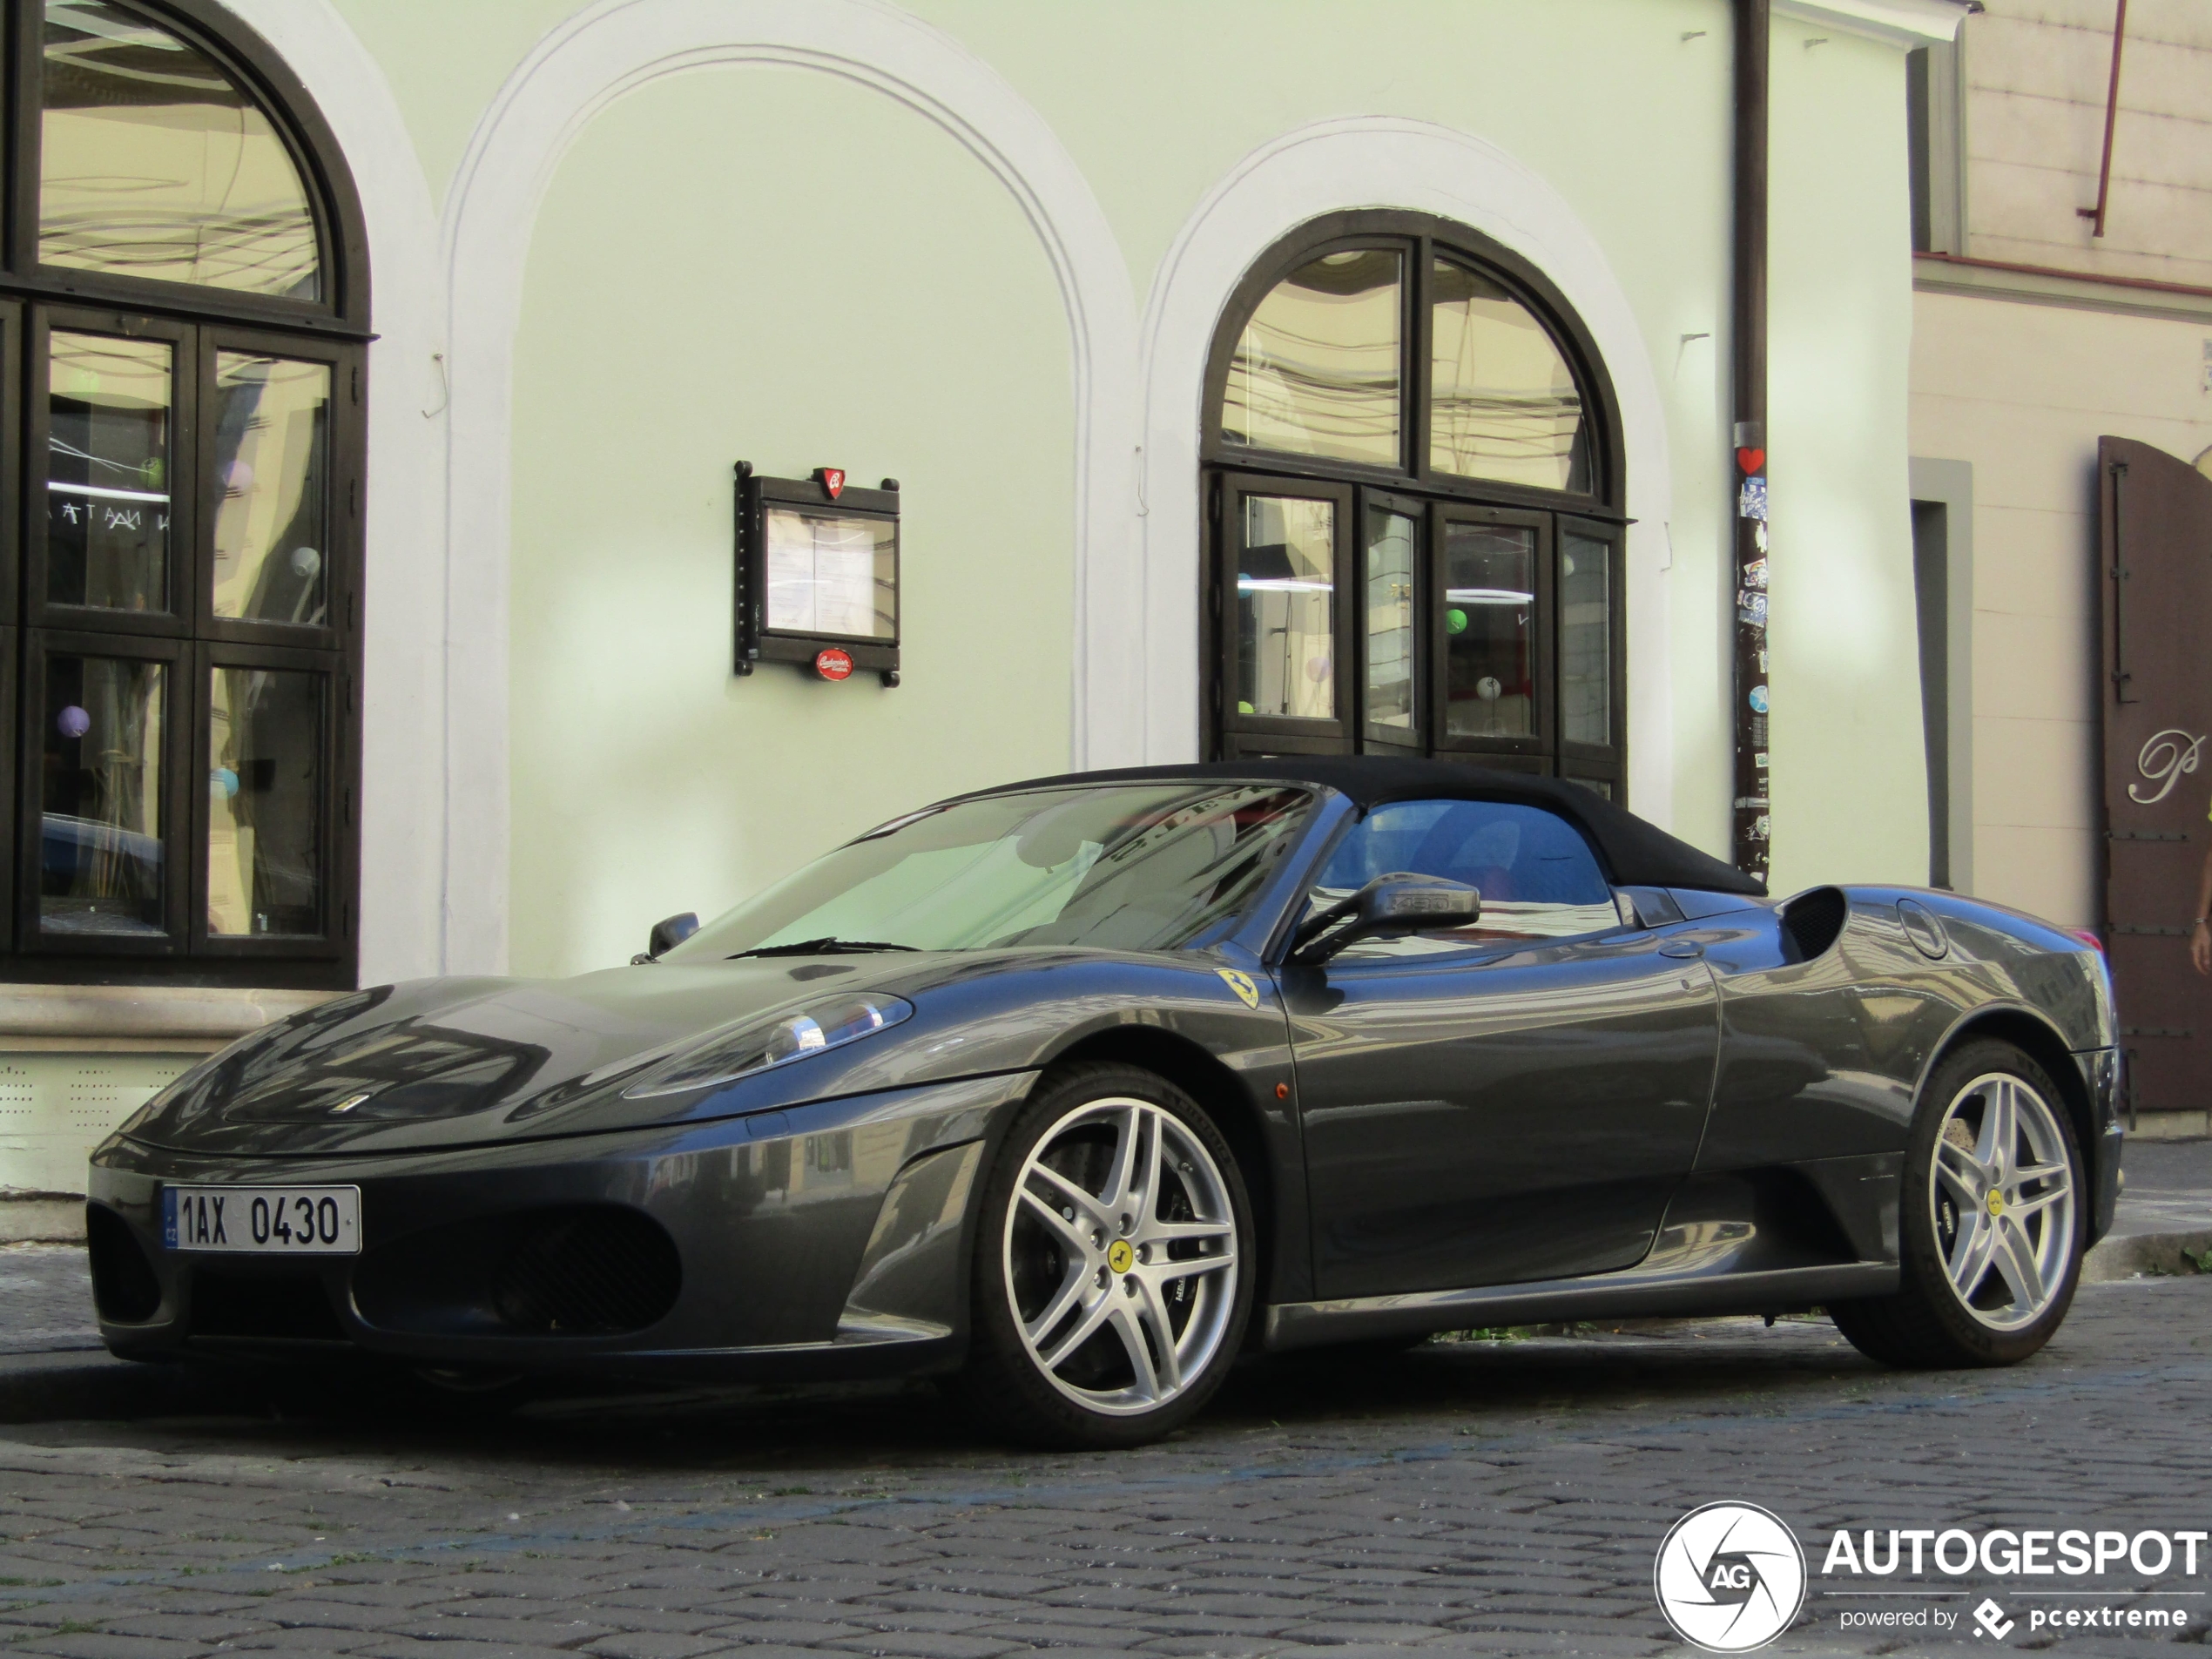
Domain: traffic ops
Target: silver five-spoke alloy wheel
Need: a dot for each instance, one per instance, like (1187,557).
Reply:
(2001,1190)
(1121,1255)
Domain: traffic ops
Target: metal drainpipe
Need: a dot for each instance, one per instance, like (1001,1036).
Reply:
(1747,467)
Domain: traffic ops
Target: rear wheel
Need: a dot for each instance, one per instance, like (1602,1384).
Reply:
(1991,1227)
(1112,1276)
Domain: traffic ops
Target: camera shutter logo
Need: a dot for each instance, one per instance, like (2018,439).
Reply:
(1729,1578)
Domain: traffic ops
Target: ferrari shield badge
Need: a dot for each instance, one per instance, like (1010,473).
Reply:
(1247,993)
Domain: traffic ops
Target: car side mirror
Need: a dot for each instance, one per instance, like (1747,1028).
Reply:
(1388,905)
(667,935)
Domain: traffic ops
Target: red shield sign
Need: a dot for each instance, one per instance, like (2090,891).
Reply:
(833,664)
(833,480)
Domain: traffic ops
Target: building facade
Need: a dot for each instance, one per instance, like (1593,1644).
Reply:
(1253,378)
(2063,296)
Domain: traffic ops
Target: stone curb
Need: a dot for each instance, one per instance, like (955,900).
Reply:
(2132,1255)
(41,1219)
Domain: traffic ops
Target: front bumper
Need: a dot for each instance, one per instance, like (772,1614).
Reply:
(825,1240)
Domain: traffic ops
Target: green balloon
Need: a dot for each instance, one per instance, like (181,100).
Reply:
(1455,621)
(1244,707)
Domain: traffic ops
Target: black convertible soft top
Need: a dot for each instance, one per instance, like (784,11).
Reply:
(1636,854)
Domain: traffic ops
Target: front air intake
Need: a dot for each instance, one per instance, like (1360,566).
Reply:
(590,1271)
(1812,921)
(575,1271)
(125,1288)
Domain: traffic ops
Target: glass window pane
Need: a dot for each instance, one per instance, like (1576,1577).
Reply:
(265,802)
(1585,640)
(1286,608)
(270,483)
(1502,402)
(153,163)
(100,867)
(1316,370)
(833,575)
(1536,874)
(107,491)
(1489,617)
(1392,539)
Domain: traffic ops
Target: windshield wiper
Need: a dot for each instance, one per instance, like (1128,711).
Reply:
(826,946)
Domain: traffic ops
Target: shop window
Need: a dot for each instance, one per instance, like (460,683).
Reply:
(1414,492)
(180,342)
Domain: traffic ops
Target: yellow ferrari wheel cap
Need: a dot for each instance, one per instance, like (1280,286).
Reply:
(1119,1255)
(1247,993)
(1996,1204)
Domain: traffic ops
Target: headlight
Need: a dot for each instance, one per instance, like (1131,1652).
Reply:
(726,1057)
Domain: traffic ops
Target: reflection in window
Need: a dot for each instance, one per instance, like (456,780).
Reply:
(269,486)
(100,867)
(1489,612)
(1391,542)
(1502,402)
(153,163)
(1536,874)
(265,802)
(1316,370)
(107,489)
(832,574)
(1585,640)
(1286,608)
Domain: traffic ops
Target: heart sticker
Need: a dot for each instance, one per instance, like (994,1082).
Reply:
(1750,460)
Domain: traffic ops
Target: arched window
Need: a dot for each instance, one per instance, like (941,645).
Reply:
(183,305)
(1413,486)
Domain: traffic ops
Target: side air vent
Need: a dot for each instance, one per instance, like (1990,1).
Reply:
(124,1286)
(1811,922)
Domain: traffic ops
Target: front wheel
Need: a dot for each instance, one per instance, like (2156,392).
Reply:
(1113,1263)
(1991,1226)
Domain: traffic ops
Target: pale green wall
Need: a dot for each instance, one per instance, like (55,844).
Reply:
(779,266)
(1155,100)
(1850,778)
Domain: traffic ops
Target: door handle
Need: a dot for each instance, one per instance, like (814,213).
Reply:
(1681,949)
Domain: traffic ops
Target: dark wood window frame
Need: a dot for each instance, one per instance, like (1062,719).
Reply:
(200,321)
(1232,471)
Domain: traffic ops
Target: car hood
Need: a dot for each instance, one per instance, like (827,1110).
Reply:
(453,1062)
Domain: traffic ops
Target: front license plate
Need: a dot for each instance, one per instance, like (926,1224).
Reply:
(263,1221)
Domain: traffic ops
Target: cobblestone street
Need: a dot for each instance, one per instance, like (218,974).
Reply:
(1489,1498)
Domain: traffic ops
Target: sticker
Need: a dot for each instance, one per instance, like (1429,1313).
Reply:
(1754,574)
(1752,460)
(1758,538)
(833,664)
(1751,502)
(1761,828)
(832,479)
(1758,760)
(1247,993)
(1751,608)
(1758,699)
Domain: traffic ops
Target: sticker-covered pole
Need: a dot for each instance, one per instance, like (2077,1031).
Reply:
(1753,817)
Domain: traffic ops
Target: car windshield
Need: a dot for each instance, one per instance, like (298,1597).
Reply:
(1131,866)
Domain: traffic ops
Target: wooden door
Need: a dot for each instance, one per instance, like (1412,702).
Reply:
(2154,569)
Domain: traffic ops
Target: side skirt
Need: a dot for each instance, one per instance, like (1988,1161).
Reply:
(1629,1295)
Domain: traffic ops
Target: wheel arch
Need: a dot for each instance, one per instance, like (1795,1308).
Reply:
(2039,1040)
(1201,1074)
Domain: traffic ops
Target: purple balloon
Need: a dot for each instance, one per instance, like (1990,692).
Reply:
(72,722)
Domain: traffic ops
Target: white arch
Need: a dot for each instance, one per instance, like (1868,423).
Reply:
(615,47)
(1384,162)
(404,715)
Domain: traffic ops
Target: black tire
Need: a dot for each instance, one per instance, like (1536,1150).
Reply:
(1927,1325)
(1008,1388)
